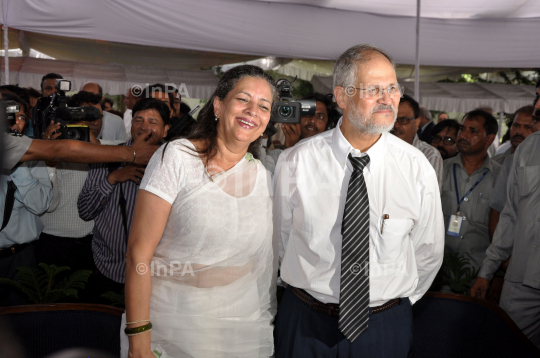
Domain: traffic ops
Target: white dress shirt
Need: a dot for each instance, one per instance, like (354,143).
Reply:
(311,182)
(127,121)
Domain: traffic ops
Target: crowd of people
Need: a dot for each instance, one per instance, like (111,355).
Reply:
(355,205)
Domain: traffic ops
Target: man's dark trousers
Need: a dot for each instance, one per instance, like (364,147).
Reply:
(302,332)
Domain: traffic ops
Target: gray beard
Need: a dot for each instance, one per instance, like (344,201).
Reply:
(368,125)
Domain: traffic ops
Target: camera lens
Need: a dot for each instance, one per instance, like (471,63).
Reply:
(72,134)
(285,111)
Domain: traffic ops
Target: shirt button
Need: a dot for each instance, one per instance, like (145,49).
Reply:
(461,237)
(468,180)
(466,199)
(464,218)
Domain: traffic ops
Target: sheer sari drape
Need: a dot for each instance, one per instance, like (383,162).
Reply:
(213,272)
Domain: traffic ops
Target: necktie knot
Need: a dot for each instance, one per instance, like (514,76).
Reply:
(358,163)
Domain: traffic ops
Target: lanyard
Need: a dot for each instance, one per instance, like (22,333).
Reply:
(470,190)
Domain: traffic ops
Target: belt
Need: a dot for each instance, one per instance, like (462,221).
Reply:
(332,309)
(12,250)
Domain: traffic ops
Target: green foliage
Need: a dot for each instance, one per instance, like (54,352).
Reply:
(116,299)
(456,272)
(40,286)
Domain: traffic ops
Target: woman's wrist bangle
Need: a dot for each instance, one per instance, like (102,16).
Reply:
(136,334)
(138,330)
(144,320)
(134,155)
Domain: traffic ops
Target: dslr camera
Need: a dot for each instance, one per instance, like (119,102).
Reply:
(10,109)
(287,110)
(54,108)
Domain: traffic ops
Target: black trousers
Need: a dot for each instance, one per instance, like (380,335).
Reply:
(302,332)
(65,251)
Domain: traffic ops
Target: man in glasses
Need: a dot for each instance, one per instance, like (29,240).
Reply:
(522,126)
(444,138)
(405,127)
(468,183)
(518,235)
(358,221)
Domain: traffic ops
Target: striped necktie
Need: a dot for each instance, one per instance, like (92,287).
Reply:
(354,293)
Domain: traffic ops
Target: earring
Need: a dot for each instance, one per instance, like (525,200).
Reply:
(216,118)
(262,134)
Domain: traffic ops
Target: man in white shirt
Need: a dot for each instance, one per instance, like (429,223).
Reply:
(130,101)
(355,190)
(407,121)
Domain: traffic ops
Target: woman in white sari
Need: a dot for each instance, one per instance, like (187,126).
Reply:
(201,266)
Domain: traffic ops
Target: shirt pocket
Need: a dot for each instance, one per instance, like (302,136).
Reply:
(528,180)
(391,242)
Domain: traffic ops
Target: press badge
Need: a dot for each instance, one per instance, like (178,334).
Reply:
(454,226)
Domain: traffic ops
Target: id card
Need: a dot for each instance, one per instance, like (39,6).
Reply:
(454,226)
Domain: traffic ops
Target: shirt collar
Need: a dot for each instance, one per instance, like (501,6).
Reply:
(485,165)
(425,125)
(341,149)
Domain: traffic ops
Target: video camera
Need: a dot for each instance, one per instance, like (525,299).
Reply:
(287,110)
(10,109)
(54,108)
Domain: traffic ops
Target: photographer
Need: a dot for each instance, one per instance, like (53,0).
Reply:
(324,118)
(21,119)
(66,238)
(25,193)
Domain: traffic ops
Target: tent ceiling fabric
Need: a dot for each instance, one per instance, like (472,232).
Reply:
(115,79)
(474,33)
(105,52)
(458,97)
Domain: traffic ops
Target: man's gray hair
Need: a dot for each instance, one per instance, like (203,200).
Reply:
(345,69)
(425,112)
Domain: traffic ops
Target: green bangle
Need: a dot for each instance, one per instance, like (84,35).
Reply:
(138,330)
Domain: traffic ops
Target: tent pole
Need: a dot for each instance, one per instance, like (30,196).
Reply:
(501,119)
(6,55)
(417,64)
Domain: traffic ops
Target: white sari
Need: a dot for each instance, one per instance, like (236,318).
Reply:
(214,270)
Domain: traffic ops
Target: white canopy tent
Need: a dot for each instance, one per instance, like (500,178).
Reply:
(458,97)
(114,79)
(478,33)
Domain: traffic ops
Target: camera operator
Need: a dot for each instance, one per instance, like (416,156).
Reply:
(21,119)
(25,193)
(66,238)
(324,118)
(113,125)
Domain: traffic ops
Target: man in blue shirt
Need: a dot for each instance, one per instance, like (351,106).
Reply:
(108,197)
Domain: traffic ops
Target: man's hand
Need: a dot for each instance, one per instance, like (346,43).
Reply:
(480,287)
(53,127)
(495,290)
(292,133)
(143,150)
(126,173)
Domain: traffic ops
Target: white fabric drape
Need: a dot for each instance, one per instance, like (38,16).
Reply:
(478,33)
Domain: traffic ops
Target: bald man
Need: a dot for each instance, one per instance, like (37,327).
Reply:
(112,124)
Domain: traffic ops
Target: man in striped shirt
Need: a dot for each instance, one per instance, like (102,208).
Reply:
(405,127)
(108,198)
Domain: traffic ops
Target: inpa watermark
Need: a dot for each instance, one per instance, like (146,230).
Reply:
(174,268)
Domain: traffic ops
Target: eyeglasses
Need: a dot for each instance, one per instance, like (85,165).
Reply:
(404,120)
(393,90)
(446,140)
